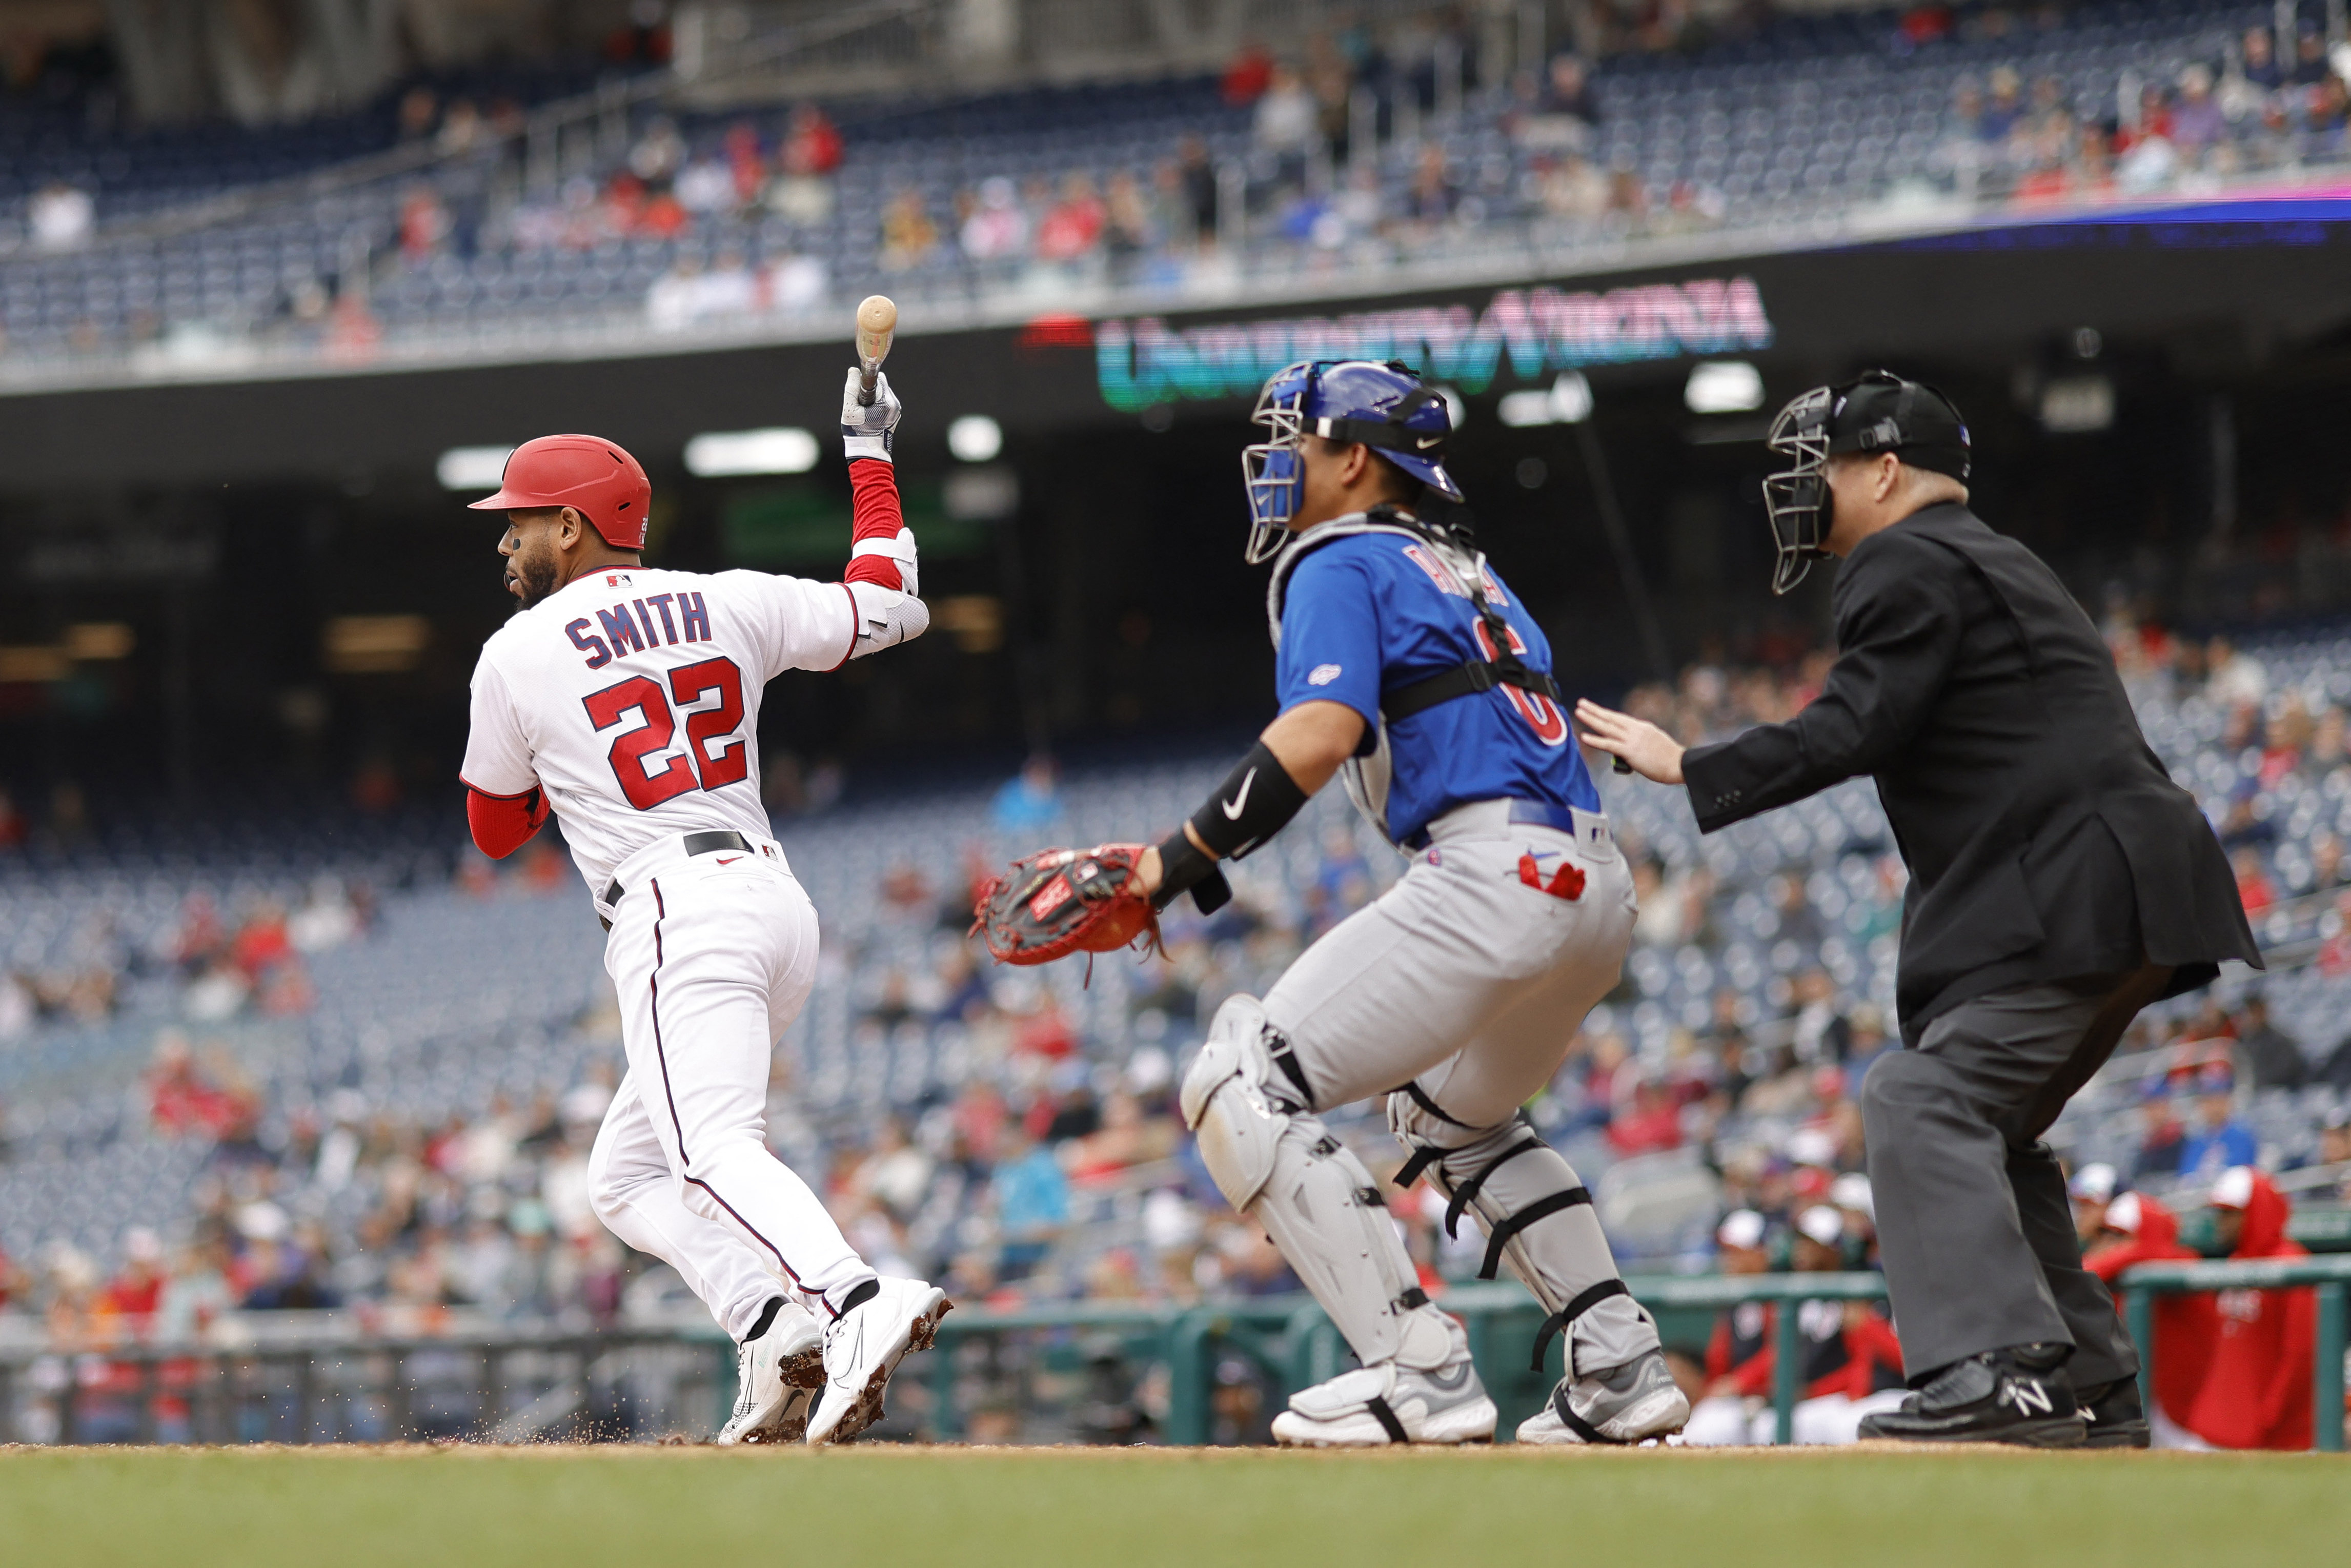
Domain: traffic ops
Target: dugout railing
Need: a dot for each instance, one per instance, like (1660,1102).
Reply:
(321,1383)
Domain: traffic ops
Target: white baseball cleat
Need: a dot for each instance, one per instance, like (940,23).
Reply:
(863,1346)
(1373,1405)
(1630,1404)
(776,1380)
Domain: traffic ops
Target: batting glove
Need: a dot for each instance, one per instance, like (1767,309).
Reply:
(865,427)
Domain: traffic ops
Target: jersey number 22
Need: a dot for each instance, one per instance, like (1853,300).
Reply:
(697,765)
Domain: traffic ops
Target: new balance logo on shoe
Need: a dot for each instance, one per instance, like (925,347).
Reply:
(2029,1397)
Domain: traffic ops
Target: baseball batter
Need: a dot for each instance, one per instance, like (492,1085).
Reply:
(1404,661)
(626,702)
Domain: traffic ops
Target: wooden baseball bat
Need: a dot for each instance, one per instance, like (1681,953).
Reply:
(877,323)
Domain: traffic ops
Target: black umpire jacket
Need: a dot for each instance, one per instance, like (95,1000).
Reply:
(2045,840)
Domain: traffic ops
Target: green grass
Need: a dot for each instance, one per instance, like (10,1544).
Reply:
(652,1508)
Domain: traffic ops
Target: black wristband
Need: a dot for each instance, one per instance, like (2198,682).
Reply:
(1256,802)
(1182,867)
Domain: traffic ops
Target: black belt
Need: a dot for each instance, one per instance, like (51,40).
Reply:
(696,844)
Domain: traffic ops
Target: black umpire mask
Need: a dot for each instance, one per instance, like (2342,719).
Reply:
(1880,412)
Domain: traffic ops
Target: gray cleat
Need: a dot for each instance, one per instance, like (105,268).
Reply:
(1629,1404)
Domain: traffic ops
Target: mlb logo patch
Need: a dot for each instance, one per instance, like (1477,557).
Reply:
(1322,674)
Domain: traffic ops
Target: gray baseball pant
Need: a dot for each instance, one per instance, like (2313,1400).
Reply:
(1456,994)
(1974,1223)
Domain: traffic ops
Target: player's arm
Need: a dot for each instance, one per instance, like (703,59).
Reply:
(502,824)
(881,579)
(504,804)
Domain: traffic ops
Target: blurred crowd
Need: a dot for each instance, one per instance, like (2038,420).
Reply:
(2247,111)
(206,965)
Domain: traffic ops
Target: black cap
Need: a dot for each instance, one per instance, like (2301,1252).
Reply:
(1882,412)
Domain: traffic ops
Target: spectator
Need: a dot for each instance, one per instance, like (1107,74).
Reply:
(2254,885)
(706,187)
(908,236)
(2092,1190)
(2258,62)
(131,1297)
(2218,1141)
(804,187)
(1719,1403)
(1072,228)
(1128,233)
(1287,123)
(1032,1201)
(2136,1228)
(997,229)
(1820,1034)
(2267,1057)
(811,142)
(1570,188)
(1201,196)
(1853,1363)
(1248,75)
(2162,1138)
(1431,198)
(61,217)
(1031,801)
(425,224)
(2002,107)
(1651,1124)
(796,283)
(2256,1393)
(2334,1140)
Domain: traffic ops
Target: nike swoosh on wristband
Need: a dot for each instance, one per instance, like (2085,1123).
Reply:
(1233,807)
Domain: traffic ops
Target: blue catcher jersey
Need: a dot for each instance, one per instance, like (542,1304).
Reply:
(1373,612)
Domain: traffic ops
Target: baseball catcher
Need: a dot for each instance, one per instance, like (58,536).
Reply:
(1403,663)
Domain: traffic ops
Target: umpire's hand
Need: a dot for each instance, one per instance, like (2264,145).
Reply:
(1652,754)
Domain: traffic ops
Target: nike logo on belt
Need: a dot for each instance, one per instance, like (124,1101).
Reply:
(1232,808)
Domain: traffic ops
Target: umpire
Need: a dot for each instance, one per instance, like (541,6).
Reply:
(2059,882)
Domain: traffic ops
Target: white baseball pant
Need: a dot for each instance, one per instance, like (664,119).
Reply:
(712,957)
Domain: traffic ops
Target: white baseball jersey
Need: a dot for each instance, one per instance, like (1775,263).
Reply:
(632,698)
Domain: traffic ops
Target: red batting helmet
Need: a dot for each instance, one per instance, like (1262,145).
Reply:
(583,471)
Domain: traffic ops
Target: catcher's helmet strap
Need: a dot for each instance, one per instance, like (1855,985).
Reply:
(1388,433)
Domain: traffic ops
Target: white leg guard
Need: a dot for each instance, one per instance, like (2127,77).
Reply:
(1274,1161)
(1538,1219)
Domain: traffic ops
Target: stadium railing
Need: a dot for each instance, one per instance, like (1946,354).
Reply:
(312,1382)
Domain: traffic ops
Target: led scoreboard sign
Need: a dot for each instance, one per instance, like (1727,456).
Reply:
(1143,361)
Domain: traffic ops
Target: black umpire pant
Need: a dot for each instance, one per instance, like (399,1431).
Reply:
(1974,1225)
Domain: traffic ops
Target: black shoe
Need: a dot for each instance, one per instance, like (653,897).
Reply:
(2117,1417)
(2020,1395)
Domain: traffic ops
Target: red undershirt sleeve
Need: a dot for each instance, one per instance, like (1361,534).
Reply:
(502,824)
(874,515)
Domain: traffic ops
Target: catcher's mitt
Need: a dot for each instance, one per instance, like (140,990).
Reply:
(1057,902)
